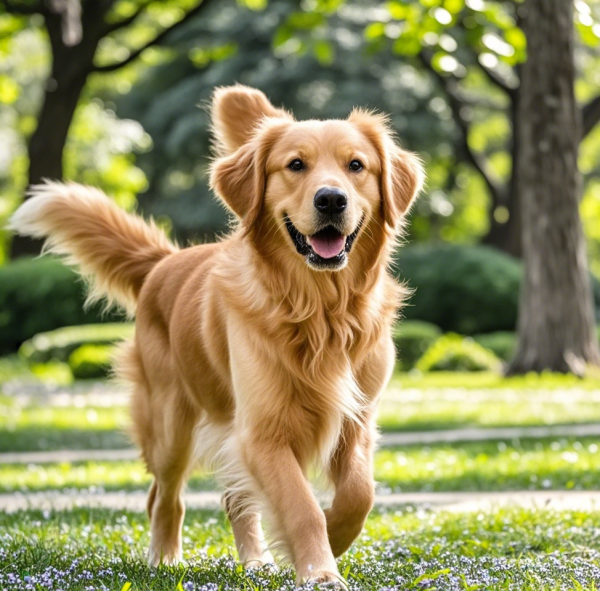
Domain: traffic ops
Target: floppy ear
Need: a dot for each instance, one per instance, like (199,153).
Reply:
(235,113)
(402,173)
(402,180)
(241,178)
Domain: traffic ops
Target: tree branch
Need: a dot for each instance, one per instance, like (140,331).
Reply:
(590,114)
(22,9)
(489,73)
(111,27)
(458,106)
(496,79)
(156,41)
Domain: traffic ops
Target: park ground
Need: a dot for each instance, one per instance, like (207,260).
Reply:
(65,522)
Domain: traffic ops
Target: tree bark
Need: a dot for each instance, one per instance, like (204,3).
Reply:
(71,66)
(507,236)
(556,321)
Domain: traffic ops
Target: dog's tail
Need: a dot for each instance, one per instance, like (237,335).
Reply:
(113,250)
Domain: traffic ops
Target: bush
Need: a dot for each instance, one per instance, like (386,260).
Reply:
(38,295)
(91,361)
(452,352)
(501,344)
(412,338)
(59,344)
(463,289)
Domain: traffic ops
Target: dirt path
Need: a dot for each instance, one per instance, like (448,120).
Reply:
(449,501)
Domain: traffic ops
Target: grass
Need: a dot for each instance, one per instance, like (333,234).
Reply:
(410,404)
(511,549)
(488,379)
(405,549)
(503,465)
(36,427)
(413,409)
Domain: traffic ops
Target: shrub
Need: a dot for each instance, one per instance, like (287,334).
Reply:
(59,344)
(38,295)
(501,344)
(91,361)
(412,338)
(463,289)
(452,352)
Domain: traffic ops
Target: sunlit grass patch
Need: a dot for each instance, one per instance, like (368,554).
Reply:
(92,475)
(488,379)
(526,464)
(40,427)
(412,409)
(504,465)
(512,549)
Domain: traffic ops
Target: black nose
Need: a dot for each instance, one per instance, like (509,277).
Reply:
(330,200)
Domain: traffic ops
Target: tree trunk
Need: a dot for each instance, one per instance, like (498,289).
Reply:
(71,66)
(556,321)
(507,236)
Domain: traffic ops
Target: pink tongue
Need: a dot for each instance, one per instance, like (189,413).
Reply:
(327,247)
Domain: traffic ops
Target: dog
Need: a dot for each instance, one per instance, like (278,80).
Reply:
(262,355)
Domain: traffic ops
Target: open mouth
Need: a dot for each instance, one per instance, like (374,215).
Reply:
(326,249)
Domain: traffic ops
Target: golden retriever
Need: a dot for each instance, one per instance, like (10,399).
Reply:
(264,354)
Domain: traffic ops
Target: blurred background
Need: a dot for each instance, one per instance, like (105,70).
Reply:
(500,98)
(113,94)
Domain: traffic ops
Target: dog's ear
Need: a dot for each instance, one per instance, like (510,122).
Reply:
(235,113)
(402,173)
(240,179)
(401,183)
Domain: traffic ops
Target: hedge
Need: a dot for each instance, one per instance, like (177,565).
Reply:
(412,338)
(453,352)
(59,344)
(91,361)
(39,295)
(464,289)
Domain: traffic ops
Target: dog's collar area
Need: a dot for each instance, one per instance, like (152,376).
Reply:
(314,260)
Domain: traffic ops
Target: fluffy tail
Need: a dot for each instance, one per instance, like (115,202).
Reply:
(114,250)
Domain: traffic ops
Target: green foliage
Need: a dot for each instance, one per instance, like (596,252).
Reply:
(38,295)
(503,344)
(468,290)
(453,352)
(325,79)
(59,344)
(91,361)
(412,338)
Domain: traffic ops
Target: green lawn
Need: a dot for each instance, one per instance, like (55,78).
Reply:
(437,408)
(407,549)
(36,427)
(503,465)
(411,403)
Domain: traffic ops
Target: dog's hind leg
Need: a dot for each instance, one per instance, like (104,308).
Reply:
(169,455)
(247,530)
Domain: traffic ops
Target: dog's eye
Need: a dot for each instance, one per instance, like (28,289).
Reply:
(296,164)
(356,166)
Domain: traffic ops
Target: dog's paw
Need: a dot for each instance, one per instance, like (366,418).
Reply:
(327,580)
(261,563)
(156,559)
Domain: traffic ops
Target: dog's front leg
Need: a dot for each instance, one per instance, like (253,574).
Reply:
(351,470)
(298,518)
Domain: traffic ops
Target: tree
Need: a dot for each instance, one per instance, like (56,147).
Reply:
(225,46)
(556,323)
(75,31)
(457,40)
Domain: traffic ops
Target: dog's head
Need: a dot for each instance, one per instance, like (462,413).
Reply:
(320,182)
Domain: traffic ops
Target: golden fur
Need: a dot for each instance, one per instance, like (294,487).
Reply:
(245,357)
